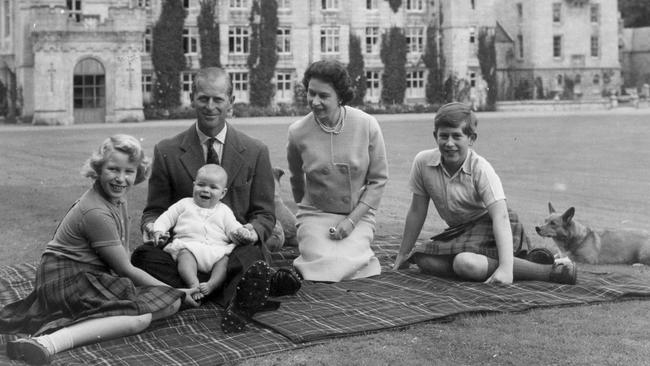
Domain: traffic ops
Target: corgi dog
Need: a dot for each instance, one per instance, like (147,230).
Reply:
(586,245)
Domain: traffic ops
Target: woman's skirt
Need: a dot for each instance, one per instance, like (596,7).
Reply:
(475,237)
(324,259)
(68,292)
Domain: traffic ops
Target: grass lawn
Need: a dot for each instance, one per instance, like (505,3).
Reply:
(598,163)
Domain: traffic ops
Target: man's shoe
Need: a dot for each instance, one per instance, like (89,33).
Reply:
(565,273)
(28,350)
(540,256)
(250,297)
(285,281)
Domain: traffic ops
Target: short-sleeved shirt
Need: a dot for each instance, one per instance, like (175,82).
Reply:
(92,222)
(462,197)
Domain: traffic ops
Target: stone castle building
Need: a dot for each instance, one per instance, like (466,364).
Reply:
(76,61)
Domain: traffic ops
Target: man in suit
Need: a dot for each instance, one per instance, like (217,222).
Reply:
(250,196)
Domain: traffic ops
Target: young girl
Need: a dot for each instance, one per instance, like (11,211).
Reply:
(86,289)
(204,231)
(469,197)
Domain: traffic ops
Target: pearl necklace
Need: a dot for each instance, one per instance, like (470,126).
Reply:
(338,127)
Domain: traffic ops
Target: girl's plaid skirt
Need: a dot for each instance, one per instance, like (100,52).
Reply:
(475,237)
(67,292)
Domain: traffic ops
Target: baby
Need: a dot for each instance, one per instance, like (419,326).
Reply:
(205,231)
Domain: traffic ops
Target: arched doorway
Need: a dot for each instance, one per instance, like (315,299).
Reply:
(89,92)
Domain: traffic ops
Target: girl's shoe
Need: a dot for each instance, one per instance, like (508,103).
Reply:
(28,350)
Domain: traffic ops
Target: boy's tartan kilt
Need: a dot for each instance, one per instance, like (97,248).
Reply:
(475,237)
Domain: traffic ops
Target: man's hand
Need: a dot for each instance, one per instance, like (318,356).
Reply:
(244,235)
(148,234)
(160,238)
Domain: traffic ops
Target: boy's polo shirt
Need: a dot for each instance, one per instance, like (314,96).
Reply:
(459,198)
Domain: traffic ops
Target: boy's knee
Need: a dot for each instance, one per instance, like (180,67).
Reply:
(470,266)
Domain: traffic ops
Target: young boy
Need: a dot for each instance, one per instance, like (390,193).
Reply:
(469,197)
(204,231)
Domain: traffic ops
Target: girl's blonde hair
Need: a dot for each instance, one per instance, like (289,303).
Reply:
(123,143)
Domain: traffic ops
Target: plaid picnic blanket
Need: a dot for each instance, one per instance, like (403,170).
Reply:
(321,311)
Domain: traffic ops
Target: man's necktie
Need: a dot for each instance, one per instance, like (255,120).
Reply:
(213,157)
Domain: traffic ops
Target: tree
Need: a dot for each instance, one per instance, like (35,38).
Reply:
(487,59)
(167,54)
(395,4)
(393,56)
(635,13)
(433,60)
(263,53)
(356,70)
(208,34)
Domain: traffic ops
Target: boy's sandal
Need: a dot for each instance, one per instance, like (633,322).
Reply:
(28,350)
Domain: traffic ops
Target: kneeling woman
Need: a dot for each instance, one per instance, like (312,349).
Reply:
(86,289)
(338,166)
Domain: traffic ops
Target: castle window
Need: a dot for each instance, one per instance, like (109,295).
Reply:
(415,39)
(557,12)
(74,9)
(190,41)
(283,40)
(371,4)
(415,84)
(594,13)
(557,46)
(372,40)
(595,46)
(414,5)
(283,85)
(147,40)
(329,40)
(330,4)
(239,4)
(239,85)
(238,40)
(373,84)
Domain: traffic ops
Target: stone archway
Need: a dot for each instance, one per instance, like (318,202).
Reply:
(89,92)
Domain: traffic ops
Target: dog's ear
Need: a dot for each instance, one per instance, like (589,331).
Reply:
(568,214)
(550,208)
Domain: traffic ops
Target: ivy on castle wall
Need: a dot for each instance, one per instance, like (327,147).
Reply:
(208,34)
(356,70)
(393,56)
(167,54)
(487,58)
(433,61)
(263,55)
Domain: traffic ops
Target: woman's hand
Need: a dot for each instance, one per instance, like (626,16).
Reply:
(342,229)
(400,262)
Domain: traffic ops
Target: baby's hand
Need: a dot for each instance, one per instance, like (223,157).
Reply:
(243,236)
(160,238)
